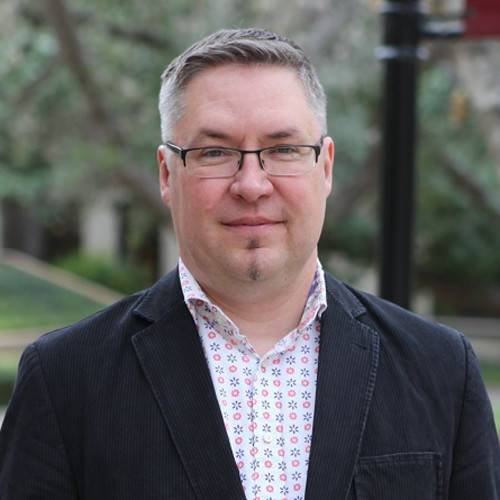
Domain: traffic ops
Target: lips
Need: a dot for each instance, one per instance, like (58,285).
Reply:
(251,221)
(252,226)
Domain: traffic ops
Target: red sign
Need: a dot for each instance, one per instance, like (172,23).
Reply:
(482,18)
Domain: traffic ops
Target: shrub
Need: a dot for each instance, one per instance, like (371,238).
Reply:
(123,277)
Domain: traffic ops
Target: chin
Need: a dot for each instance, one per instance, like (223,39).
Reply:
(261,264)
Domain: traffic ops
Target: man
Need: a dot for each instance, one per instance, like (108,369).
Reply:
(248,372)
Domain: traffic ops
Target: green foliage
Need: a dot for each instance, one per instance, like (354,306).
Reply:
(48,141)
(457,241)
(125,278)
(351,122)
(355,236)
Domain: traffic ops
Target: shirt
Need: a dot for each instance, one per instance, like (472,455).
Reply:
(267,402)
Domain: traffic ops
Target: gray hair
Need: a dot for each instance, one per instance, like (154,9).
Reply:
(236,46)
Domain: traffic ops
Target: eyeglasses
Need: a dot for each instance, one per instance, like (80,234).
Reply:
(214,162)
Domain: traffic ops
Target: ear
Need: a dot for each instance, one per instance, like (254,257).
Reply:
(164,172)
(328,160)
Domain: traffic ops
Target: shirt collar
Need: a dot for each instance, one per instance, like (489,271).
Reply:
(195,297)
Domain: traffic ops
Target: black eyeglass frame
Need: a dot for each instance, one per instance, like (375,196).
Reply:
(183,152)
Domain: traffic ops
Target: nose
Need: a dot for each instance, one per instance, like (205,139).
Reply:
(251,182)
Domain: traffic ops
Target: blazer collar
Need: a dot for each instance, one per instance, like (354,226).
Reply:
(172,358)
(158,300)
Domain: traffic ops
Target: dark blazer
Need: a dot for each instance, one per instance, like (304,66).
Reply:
(121,406)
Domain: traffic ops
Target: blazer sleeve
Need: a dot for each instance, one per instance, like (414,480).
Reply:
(33,459)
(476,461)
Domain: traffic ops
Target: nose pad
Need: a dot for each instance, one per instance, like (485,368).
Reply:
(242,160)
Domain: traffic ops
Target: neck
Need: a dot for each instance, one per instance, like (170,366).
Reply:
(266,312)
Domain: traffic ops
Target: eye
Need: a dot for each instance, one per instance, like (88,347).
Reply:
(284,150)
(213,156)
(213,153)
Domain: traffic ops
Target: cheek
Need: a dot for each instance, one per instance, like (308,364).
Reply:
(309,202)
(200,200)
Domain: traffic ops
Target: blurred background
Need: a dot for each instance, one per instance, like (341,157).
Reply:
(81,220)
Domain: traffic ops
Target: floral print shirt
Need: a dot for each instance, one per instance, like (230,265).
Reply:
(267,402)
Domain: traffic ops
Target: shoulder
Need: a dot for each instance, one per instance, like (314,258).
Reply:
(417,358)
(400,330)
(113,326)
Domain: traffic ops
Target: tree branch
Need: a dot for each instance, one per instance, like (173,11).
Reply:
(364,182)
(81,17)
(143,186)
(69,45)
(470,186)
(30,90)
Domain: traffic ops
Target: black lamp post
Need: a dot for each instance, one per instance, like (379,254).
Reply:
(401,53)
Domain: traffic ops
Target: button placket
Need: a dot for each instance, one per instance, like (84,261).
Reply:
(262,439)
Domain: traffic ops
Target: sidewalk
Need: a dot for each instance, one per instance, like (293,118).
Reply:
(495,397)
(17,340)
(486,349)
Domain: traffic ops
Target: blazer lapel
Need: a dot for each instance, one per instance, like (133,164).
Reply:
(347,369)
(172,358)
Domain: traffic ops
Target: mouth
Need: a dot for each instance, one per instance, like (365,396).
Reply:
(251,224)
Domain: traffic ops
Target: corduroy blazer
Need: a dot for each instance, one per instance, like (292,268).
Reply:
(121,406)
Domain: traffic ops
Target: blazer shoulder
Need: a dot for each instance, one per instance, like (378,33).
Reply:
(115,323)
(91,332)
(419,334)
(399,329)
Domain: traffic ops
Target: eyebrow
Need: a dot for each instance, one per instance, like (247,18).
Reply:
(209,133)
(285,133)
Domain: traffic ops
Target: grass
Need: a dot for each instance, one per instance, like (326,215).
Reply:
(8,370)
(496,412)
(491,373)
(28,302)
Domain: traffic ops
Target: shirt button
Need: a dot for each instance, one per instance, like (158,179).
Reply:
(267,438)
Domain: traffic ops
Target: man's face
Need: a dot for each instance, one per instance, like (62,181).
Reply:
(250,227)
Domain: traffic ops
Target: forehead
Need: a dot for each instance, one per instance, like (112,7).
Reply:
(243,100)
